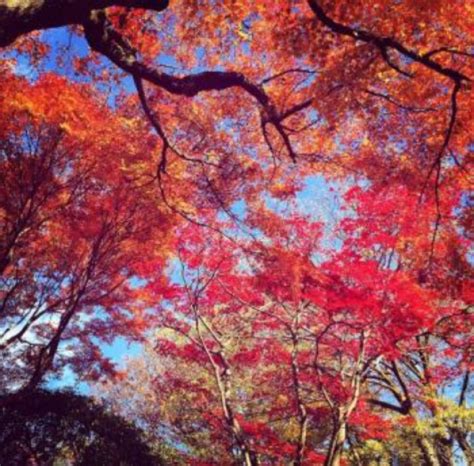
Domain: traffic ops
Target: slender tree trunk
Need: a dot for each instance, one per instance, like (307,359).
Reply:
(465,447)
(444,448)
(222,376)
(337,443)
(339,436)
(248,456)
(302,411)
(429,452)
(303,415)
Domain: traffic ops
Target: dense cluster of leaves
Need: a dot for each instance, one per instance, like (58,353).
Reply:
(71,223)
(270,355)
(163,170)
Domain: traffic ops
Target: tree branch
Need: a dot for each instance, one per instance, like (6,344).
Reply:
(103,38)
(19,18)
(384,44)
(391,100)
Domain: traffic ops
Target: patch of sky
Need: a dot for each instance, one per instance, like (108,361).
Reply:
(118,351)
(321,200)
(67,379)
(65,45)
(137,282)
(168,61)
(119,348)
(239,209)
(23,67)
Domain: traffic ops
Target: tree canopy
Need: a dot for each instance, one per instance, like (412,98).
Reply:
(271,200)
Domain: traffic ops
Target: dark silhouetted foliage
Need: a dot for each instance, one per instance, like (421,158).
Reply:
(59,428)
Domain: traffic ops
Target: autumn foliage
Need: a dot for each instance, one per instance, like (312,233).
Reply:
(269,201)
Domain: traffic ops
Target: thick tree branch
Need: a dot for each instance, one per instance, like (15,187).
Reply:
(103,38)
(404,408)
(23,16)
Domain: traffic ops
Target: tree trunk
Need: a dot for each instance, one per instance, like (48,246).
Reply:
(429,452)
(444,449)
(465,447)
(302,436)
(337,443)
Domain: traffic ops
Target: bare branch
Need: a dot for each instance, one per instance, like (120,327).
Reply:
(390,99)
